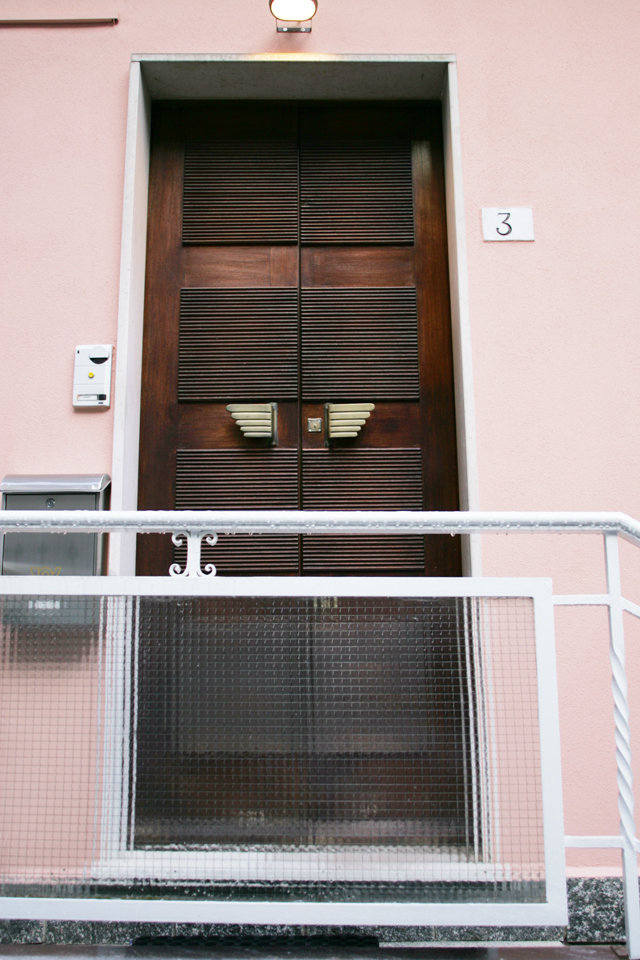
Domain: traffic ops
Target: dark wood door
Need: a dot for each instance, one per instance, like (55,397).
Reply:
(297,255)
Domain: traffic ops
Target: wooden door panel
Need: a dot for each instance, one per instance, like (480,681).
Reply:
(229,318)
(390,424)
(159,416)
(439,453)
(362,555)
(240,191)
(362,479)
(264,479)
(356,191)
(238,344)
(246,556)
(245,479)
(250,266)
(356,266)
(359,344)
(369,120)
(210,425)
(372,322)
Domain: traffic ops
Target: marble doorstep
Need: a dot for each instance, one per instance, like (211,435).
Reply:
(552,951)
(596,916)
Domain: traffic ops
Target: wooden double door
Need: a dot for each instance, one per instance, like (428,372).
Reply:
(297,256)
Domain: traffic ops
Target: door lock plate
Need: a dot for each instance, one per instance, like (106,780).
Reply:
(314,424)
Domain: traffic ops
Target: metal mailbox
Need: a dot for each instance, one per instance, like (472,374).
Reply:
(54,554)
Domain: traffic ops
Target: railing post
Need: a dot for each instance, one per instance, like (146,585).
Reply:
(623,747)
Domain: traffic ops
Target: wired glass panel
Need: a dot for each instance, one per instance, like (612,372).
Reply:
(317,748)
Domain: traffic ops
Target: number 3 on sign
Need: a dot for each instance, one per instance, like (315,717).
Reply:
(507,223)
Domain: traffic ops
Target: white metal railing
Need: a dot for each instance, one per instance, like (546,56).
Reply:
(198,525)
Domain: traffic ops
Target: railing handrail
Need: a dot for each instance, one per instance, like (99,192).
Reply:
(321,521)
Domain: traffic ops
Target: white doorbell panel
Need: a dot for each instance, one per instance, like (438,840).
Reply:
(92,375)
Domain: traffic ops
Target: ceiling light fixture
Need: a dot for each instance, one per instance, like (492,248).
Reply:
(293,16)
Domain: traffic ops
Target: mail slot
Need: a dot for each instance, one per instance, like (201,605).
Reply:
(54,554)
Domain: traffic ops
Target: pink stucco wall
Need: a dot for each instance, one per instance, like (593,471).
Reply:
(548,94)
(49,789)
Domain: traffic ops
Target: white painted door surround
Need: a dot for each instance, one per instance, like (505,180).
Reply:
(273,77)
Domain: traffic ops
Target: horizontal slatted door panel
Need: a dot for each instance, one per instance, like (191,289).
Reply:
(357,554)
(360,344)
(240,192)
(238,344)
(357,479)
(241,480)
(243,555)
(236,480)
(358,191)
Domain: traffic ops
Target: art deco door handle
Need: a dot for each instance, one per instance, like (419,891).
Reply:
(346,419)
(256,420)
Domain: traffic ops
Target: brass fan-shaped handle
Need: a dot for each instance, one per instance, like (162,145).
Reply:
(346,419)
(256,420)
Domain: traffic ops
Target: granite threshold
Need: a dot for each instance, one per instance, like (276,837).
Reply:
(596,917)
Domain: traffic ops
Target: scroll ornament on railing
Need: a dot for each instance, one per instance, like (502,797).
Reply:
(194,547)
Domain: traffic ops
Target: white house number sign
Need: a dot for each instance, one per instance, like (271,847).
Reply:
(507,223)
